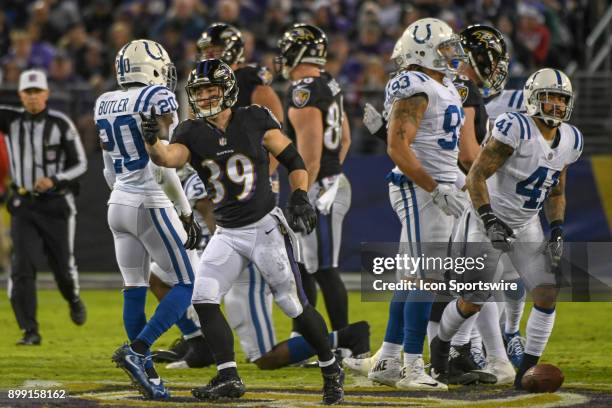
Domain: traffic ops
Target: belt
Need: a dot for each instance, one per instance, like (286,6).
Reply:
(23,192)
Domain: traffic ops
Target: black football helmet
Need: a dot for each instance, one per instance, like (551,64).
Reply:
(226,36)
(488,55)
(301,43)
(212,72)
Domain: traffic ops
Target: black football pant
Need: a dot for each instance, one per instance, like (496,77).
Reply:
(50,221)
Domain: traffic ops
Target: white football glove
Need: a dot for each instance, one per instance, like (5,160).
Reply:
(450,199)
(372,119)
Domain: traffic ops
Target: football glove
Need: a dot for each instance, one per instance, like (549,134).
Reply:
(555,243)
(372,119)
(150,127)
(193,231)
(301,215)
(450,199)
(500,234)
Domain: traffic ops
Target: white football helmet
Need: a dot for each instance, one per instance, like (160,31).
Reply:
(145,62)
(539,86)
(429,43)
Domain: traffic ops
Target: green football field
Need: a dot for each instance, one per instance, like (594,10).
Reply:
(77,360)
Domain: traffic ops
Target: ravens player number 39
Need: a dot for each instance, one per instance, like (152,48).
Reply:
(229,147)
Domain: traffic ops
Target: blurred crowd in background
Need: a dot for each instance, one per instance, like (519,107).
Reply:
(75,41)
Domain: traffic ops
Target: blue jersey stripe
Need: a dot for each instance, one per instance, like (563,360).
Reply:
(415,211)
(166,244)
(514,115)
(253,307)
(526,121)
(144,91)
(512,98)
(519,103)
(145,107)
(407,211)
(179,244)
(578,141)
(422,77)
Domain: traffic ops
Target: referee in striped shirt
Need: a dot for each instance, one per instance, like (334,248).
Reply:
(46,157)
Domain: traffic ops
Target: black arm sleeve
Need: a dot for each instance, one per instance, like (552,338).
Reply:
(291,159)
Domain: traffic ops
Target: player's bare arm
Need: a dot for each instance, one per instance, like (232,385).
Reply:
(265,95)
(205,207)
(173,155)
(346,138)
(284,151)
(554,206)
(404,121)
(308,125)
(491,158)
(468,146)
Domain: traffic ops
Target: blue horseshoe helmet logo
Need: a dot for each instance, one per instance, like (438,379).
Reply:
(422,41)
(155,57)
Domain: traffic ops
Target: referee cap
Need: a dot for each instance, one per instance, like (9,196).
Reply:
(32,78)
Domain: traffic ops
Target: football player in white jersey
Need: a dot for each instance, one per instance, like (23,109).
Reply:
(520,170)
(424,114)
(141,215)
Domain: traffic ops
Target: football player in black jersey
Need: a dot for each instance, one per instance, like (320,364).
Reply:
(224,41)
(229,148)
(316,122)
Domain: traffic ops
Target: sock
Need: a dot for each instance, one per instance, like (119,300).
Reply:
(168,312)
(315,332)
(134,318)
(187,327)
(329,367)
(539,328)
(140,347)
(310,289)
(300,350)
(464,333)
(217,333)
(149,367)
(395,322)
(390,350)
(432,330)
(451,321)
(487,323)
(527,362)
(514,306)
(476,339)
(228,370)
(334,296)
(409,359)
(416,316)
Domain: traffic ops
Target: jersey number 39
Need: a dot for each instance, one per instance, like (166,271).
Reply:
(239,169)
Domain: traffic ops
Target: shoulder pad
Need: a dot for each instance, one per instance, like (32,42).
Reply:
(408,83)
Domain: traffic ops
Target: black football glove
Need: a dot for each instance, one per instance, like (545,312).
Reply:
(150,127)
(193,231)
(555,243)
(300,213)
(500,234)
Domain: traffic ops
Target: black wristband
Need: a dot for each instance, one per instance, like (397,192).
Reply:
(486,215)
(291,159)
(484,209)
(556,224)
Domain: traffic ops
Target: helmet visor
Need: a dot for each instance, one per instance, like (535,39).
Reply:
(451,52)
(555,104)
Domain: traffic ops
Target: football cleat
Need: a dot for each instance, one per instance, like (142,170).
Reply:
(386,371)
(501,369)
(439,351)
(360,366)
(78,312)
(414,378)
(333,388)
(134,366)
(159,389)
(220,387)
(515,348)
(463,370)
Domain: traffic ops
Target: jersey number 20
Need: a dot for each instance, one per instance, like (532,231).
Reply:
(239,169)
(115,137)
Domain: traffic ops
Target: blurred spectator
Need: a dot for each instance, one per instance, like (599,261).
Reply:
(5,39)
(228,11)
(98,17)
(184,14)
(53,17)
(120,34)
(28,54)
(533,34)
